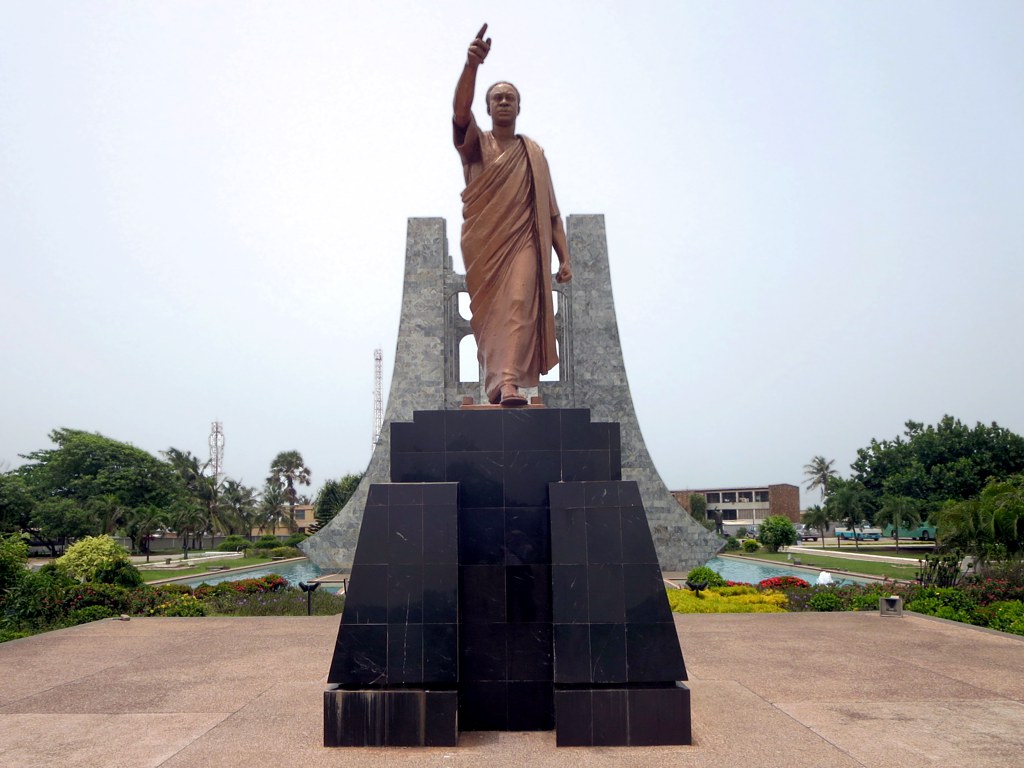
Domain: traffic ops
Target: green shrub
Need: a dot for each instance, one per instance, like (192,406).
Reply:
(288,602)
(120,572)
(1006,616)
(234,543)
(731,544)
(87,614)
(284,552)
(704,575)
(825,601)
(39,599)
(13,634)
(266,542)
(91,555)
(13,559)
(295,539)
(750,546)
(777,531)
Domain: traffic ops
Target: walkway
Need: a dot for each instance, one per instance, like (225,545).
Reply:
(792,690)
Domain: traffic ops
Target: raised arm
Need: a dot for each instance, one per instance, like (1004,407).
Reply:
(478,51)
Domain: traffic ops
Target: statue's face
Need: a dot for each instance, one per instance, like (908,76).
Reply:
(503,104)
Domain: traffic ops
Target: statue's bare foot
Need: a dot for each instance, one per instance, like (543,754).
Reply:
(511,397)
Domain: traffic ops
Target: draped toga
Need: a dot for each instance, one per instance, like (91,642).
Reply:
(507,207)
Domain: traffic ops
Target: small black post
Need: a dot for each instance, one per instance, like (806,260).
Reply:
(309,588)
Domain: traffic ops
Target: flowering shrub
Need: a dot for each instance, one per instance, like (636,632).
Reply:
(781,582)
(269,583)
(179,605)
(727,600)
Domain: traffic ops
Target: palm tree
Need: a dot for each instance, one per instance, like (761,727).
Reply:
(146,521)
(287,470)
(847,505)
(269,511)
(900,511)
(187,520)
(109,511)
(202,489)
(237,506)
(817,518)
(818,474)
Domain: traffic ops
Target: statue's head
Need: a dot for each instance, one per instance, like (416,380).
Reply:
(503,103)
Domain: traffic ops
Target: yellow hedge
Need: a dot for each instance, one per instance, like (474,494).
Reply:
(727,600)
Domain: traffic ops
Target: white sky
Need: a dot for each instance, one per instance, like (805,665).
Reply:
(814,214)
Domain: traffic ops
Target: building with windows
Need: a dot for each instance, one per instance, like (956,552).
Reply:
(747,505)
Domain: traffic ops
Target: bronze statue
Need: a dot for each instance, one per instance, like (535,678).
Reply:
(511,222)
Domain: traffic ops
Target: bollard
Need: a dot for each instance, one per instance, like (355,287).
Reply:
(309,588)
(890,606)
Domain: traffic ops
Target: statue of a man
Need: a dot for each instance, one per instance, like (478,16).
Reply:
(511,223)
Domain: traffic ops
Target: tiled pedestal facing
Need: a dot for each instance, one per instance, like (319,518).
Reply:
(493,634)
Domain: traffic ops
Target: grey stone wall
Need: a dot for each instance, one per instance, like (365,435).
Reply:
(592,375)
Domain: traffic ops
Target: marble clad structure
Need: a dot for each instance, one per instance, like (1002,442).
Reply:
(506,579)
(506,562)
(592,376)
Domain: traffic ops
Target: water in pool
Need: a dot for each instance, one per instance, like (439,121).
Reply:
(733,569)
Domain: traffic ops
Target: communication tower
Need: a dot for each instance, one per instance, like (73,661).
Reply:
(378,395)
(217,448)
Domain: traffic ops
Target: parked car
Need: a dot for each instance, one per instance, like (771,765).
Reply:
(923,532)
(863,533)
(803,533)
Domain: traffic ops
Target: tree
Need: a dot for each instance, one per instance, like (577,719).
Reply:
(901,512)
(332,497)
(777,531)
(269,511)
(201,489)
(288,470)
(698,507)
(988,527)
(819,474)
(817,518)
(143,523)
(187,519)
(86,465)
(55,520)
(934,464)
(16,503)
(238,506)
(847,504)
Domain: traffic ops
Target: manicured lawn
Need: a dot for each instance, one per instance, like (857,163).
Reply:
(889,550)
(865,567)
(155,574)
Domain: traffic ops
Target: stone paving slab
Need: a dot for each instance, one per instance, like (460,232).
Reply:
(787,690)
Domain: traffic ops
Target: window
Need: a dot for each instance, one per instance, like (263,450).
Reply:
(728,514)
(300,514)
(761,496)
(713,498)
(729,497)
(745,497)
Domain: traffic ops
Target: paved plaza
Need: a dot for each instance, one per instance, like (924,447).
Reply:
(843,689)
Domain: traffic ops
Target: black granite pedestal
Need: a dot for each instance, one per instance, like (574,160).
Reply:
(506,580)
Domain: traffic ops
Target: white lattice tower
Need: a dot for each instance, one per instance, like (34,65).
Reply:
(378,394)
(217,448)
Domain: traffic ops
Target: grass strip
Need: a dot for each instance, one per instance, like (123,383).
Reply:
(906,572)
(155,574)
